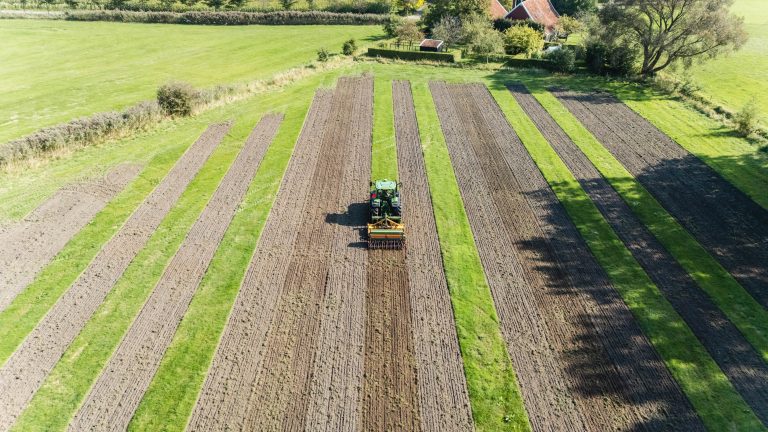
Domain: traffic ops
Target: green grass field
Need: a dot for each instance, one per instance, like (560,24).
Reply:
(54,71)
(734,80)
(105,80)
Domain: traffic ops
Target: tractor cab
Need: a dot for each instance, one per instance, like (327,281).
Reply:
(385,230)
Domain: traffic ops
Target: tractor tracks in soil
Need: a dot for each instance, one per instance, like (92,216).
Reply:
(725,221)
(26,247)
(119,389)
(742,365)
(23,373)
(582,361)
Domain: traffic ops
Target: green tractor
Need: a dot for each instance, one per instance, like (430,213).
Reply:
(385,229)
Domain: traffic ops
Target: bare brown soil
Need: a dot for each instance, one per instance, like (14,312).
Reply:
(443,399)
(28,246)
(114,397)
(727,346)
(26,369)
(263,375)
(582,361)
(731,226)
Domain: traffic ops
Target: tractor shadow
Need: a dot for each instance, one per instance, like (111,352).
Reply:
(355,217)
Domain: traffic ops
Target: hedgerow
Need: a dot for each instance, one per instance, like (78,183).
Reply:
(229,17)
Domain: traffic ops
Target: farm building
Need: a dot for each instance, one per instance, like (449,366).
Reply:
(433,45)
(539,11)
(497,10)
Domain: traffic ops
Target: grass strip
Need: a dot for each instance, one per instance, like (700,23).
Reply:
(384,152)
(494,393)
(718,146)
(712,395)
(173,392)
(64,389)
(34,302)
(737,304)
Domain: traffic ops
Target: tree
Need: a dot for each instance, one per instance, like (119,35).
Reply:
(448,30)
(521,39)
(232,4)
(408,31)
(486,43)
(216,4)
(568,25)
(456,8)
(72,4)
(167,4)
(746,119)
(288,4)
(47,3)
(391,24)
(573,7)
(665,32)
(405,7)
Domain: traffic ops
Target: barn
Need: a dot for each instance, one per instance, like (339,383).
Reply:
(539,11)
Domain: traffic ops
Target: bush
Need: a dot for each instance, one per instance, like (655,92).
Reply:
(229,18)
(349,47)
(502,24)
(746,119)
(176,99)
(413,55)
(619,60)
(323,55)
(522,39)
(562,60)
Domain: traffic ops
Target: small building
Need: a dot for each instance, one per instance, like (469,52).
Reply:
(433,45)
(497,10)
(538,11)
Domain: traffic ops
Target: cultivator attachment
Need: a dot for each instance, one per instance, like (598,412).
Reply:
(386,234)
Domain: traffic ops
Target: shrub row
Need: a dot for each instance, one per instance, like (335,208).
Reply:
(82,131)
(449,57)
(228,18)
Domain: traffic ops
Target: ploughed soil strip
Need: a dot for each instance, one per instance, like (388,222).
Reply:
(29,245)
(114,397)
(26,369)
(727,346)
(582,361)
(263,371)
(443,399)
(724,220)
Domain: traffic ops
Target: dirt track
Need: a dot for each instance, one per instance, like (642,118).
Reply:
(263,375)
(727,346)
(28,246)
(731,226)
(116,394)
(443,399)
(26,369)
(582,362)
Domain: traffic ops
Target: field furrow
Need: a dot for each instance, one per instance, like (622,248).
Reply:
(730,225)
(727,346)
(443,398)
(25,370)
(234,368)
(582,362)
(29,245)
(337,375)
(118,391)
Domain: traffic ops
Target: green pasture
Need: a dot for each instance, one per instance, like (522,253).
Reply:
(54,71)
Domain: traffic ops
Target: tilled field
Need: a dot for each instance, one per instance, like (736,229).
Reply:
(582,361)
(28,246)
(731,226)
(25,370)
(443,399)
(727,346)
(116,394)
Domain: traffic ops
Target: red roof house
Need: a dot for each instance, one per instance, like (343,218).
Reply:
(497,10)
(539,11)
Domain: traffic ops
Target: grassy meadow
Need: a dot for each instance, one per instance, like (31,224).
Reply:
(54,71)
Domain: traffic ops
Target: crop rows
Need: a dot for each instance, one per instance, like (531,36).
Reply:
(28,246)
(731,226)
(25,370)
(582,362)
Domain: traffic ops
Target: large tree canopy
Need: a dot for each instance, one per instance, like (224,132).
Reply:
(573,7)
(669,31)
(454,8)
